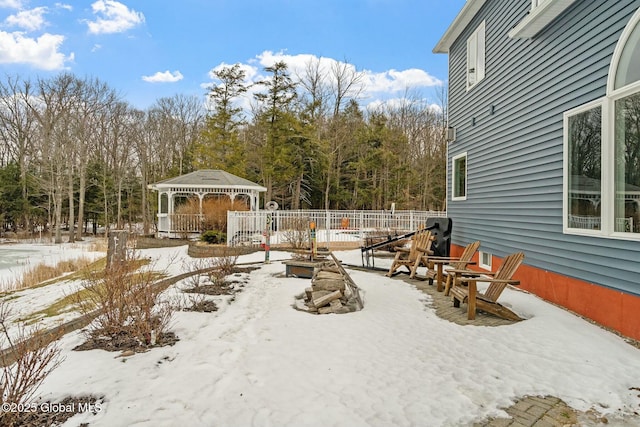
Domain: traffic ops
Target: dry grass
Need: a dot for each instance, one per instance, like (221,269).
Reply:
(213,209)
(70,302)
(42,273)
(63,305)
(99,245)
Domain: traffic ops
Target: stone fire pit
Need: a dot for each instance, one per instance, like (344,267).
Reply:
(332,291)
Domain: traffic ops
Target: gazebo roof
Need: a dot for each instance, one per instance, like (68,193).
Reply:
(208,178)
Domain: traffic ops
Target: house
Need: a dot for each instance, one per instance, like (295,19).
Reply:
(544,150)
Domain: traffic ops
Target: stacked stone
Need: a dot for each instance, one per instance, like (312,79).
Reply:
(329,293)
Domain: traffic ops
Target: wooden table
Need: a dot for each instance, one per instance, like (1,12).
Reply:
(439,263)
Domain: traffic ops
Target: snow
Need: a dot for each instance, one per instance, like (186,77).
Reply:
(258,362)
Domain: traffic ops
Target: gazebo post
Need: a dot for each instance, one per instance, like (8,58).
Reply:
(171,207)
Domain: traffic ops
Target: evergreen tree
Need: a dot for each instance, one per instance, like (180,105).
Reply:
(277,117)
(220,146)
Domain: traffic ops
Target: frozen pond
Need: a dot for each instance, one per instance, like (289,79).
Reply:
(14,257)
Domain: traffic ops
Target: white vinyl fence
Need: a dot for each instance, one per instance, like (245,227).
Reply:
(333,228)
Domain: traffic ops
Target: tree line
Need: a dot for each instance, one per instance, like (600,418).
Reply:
(73,152)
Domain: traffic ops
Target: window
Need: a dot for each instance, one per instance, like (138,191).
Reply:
(476,56)
(459,182)
(627,164)
(485,260)
(602,151)
(628,67)
(583,168)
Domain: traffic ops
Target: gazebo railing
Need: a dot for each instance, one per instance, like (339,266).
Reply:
(186,223)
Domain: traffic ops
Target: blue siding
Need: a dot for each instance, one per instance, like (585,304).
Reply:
(514,187)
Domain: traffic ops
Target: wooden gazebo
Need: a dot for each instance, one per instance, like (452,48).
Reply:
(199,183)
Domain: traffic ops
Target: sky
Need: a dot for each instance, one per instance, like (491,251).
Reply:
(146,50)
(257,361)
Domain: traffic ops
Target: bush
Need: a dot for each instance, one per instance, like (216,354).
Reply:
(129,304)
(214,237)
(296,232)
(29,358)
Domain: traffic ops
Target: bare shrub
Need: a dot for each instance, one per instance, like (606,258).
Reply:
(195,280)
(215,269)
(128,304)
(295,232)
(225,263)
(218,267)
(26,360)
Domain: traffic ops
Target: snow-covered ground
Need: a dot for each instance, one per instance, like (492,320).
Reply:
(258,362)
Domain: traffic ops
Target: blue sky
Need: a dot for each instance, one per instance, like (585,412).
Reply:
(147,49)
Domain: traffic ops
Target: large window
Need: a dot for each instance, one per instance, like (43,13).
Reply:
(476,56)
(628,67)
(583,148)
(602,151)
(459,181)
(627,164)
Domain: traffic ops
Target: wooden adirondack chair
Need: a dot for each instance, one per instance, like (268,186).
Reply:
(486,301)
(424,253)
(420,242)
(436,264)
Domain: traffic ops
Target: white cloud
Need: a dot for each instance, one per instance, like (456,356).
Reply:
(391,81)
(164,77)
(394,81)
(397,103)
(42,52)
(30,20)
(64,6)
(377,87)
(113,17)
(11,4)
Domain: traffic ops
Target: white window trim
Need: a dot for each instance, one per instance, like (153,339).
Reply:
(607,189)
(607,212)
(565,167)
(453,176)
(542,13)
(617,54)
(535,3)
(481,55)
(483,265)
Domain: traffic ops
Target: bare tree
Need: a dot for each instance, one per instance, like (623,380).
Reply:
(18,128)
(97,100)
(347,83)
(313,81)
(182,119)
(51,106)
